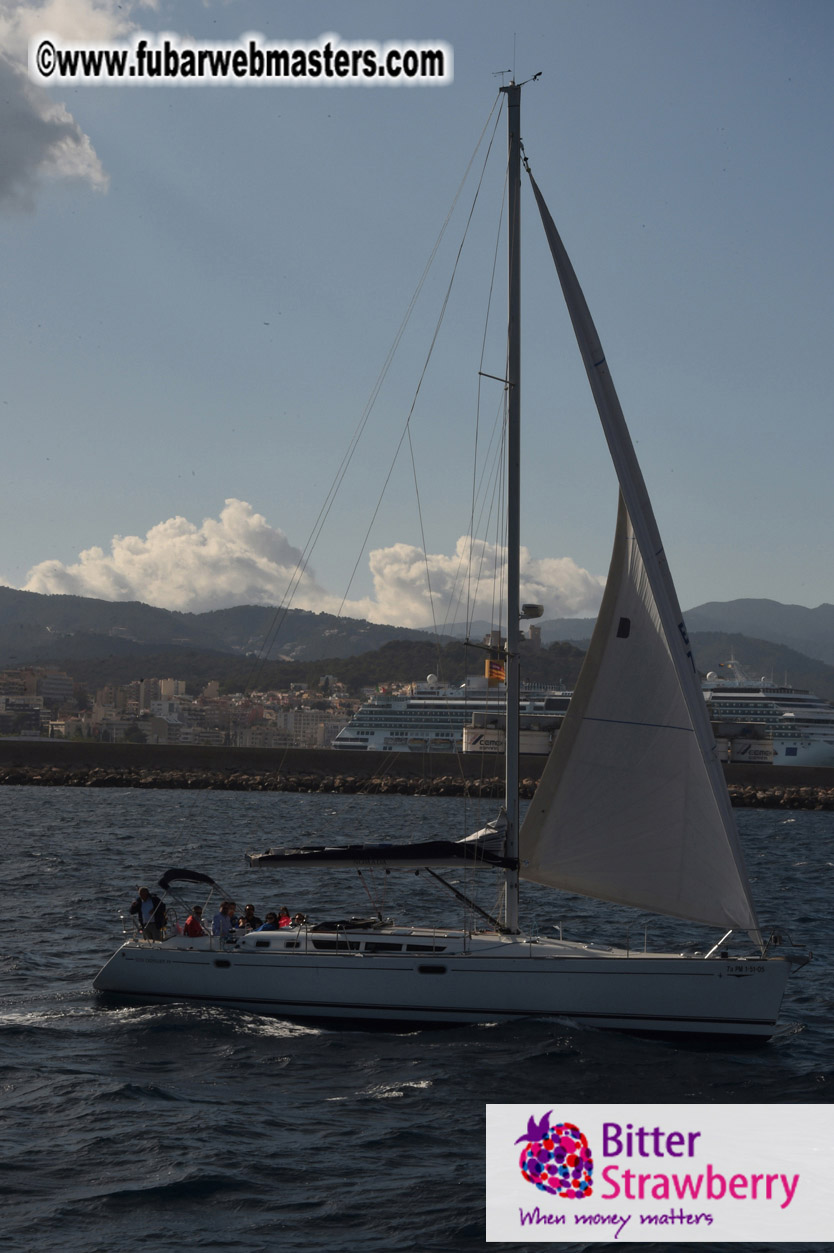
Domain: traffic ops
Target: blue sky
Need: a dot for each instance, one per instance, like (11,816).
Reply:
(201,284)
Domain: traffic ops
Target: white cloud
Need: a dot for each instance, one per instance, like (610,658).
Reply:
(234,560)
(89,20)
(470,582)
(240,559)
(39,137)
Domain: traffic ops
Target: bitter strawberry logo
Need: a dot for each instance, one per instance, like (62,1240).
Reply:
(556,1158)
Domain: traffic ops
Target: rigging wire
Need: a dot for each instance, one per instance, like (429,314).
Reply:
(425,367)
(460,587)
(470,601)
(301,566)
(406,432)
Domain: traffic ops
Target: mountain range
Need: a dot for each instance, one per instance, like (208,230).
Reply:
(35,628)
(808,631)
(784,642)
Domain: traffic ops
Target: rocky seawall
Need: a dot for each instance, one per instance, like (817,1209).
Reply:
(769,795)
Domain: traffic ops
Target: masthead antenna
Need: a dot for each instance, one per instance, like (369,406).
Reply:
(534,78)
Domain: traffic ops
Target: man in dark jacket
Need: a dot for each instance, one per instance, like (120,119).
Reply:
(151,914)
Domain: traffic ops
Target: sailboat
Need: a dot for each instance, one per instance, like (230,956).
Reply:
(632,808)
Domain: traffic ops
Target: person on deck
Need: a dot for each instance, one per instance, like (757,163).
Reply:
(150,914)
(284,917)
(271,923)
(249,921)
(194,922)
(221,923)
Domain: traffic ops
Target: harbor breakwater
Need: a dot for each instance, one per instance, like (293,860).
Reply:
(59,764)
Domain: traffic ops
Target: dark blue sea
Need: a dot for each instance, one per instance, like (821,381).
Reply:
(180,1128)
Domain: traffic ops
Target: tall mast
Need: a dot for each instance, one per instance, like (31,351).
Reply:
(513,92)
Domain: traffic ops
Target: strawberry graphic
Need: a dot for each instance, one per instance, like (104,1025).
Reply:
(556,1158)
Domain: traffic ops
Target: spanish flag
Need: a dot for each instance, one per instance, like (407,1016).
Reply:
(495,671)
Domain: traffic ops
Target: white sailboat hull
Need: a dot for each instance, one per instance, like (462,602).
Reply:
(467,979)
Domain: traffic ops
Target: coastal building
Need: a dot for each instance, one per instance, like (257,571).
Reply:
(170,689)
(23,715)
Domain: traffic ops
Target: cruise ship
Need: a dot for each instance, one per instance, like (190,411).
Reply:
(432,717)
(753,720)
(757,720)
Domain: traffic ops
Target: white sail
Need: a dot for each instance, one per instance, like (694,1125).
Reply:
(632,806)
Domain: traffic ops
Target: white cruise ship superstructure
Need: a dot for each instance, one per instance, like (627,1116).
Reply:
(762,721)
(754,720)
(433,717)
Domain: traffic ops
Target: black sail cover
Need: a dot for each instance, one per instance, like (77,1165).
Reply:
(386,856)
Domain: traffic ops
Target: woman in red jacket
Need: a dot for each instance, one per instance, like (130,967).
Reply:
(194,922)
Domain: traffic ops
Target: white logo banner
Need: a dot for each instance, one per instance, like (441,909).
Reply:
(563,1172)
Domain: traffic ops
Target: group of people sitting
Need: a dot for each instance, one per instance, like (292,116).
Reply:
(226,922)
(151,917)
